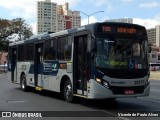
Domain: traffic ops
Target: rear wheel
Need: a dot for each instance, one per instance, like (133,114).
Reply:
(23,83)
(68,93)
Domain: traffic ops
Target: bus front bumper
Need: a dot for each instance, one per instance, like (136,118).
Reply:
(97,91)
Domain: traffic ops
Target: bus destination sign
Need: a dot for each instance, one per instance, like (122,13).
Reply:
(106,28)
(126,30)
(117,29)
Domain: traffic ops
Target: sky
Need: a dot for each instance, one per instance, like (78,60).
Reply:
(143,12)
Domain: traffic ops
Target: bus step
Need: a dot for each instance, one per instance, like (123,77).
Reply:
(38,88)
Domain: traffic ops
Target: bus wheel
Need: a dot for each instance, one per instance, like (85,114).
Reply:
(23,83)
(68,94)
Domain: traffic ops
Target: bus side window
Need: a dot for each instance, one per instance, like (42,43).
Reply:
(50,49)
(64,48)
(68,48)
(29,52)
(21,52)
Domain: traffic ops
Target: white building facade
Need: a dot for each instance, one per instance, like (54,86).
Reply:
(154,42)
(46,16)
(53,18)
(158,35)
(154,36)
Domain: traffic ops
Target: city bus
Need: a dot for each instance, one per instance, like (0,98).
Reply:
(95,61)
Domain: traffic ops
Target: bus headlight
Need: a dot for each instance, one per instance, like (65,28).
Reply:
(105,84)
(98,80)
(147,83)
(102,82)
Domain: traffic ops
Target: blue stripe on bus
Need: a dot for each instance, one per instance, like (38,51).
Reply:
(46,68)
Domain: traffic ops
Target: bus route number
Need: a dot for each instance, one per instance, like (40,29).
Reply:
(140,82)
(106,28)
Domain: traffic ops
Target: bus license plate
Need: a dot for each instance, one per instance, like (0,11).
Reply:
(129,92)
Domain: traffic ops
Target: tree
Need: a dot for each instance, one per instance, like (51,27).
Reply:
(10,27)
(18,26)
(21,28)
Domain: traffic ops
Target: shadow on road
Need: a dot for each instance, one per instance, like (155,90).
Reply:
(116,105)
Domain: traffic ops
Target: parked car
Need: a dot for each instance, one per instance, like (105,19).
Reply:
(4,67)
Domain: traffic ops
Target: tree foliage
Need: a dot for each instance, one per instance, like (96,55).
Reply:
(10,27)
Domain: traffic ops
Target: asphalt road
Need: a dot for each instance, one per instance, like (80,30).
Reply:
(13,99)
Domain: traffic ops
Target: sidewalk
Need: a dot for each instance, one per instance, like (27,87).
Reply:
(154,75)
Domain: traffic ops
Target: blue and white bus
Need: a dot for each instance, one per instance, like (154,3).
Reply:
(96,61)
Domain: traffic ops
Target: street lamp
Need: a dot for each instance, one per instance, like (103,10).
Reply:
(90,14)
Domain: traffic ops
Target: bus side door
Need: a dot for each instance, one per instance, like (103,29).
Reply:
(38,66)
(80,63)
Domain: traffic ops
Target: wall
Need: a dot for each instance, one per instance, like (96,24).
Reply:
(3,58)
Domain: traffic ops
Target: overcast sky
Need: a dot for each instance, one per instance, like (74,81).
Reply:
(143,12)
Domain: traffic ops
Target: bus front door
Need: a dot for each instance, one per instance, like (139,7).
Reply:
(38,66)
(80,64)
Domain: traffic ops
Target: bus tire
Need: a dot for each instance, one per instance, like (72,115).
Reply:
(23,83)
(68,93)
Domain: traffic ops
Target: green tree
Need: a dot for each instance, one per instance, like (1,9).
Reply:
(21,28)
(10,27)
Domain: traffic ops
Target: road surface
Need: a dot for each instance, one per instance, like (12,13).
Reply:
(14,99)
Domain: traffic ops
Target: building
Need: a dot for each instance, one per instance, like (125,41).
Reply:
(154,44)
(46,16)
(3,58)
(124,20)
(158,35)
(154,36)
(66,18)
(154,55)
(53,18)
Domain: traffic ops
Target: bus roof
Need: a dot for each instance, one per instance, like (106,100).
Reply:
(90,27)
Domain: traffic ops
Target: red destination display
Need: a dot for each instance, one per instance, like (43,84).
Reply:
(126,30)
(118,29)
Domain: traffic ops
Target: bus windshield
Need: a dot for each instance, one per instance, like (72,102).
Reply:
(121,52)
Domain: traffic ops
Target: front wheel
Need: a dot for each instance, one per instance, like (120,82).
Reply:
(68,93)
(23,83)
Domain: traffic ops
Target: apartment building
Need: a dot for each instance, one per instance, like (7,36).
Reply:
(158,35)
(154,41)
(53,18)
(66,18)
(46,16)
(154,36)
